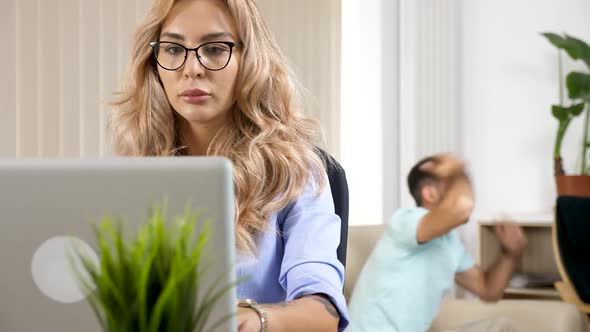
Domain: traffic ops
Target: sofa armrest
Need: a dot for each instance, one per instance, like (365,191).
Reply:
(528,315)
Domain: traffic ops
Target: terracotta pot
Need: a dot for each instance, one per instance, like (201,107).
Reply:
(573,185)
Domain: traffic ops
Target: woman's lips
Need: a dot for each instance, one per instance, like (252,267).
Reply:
(195,99)
(195,96)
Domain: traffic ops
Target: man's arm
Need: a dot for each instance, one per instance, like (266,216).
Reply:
(490,285)
(309,313)
(454,209)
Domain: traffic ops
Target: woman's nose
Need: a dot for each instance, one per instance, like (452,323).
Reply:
(192,66)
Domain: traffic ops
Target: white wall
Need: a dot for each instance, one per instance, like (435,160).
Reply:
(370,106)
(390,29)
(362,108)
(509,83)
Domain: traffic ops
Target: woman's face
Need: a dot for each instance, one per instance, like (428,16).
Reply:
(201,96)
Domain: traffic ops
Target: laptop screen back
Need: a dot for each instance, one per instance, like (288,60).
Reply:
(43,202)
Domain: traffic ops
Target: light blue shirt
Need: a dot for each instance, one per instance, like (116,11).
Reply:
(297,255)
(403,282)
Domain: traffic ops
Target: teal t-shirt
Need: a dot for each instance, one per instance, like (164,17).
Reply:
(403,282)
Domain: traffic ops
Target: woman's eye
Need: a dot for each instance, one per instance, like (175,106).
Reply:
(215,50)
(174,50)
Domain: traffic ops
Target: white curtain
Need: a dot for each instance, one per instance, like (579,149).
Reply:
(61,61)
(430,68)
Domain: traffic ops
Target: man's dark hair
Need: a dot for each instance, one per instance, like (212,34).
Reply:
(418,178)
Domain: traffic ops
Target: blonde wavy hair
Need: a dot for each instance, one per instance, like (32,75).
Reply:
(270,142)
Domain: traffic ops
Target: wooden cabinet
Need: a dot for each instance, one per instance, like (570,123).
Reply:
(537,261)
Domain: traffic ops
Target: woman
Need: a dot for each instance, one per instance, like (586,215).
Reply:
(207,78)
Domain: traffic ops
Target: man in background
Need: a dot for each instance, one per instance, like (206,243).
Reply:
(420,256)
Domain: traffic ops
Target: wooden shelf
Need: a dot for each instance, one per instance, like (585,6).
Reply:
(537,258)
(534,292)
(534,219)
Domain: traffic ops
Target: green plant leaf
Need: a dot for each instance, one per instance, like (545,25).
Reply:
(574,47)
(583,49)
(576,109)
(563,114)
(151,282)
(556,40)
(78,257)
(578,85)
(156,316)
(143,287)
(559,112)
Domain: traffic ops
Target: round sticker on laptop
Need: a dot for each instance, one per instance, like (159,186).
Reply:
(54,274)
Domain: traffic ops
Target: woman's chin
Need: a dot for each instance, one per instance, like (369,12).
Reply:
(200,115)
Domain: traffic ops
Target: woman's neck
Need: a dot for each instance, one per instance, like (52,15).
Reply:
(197,137)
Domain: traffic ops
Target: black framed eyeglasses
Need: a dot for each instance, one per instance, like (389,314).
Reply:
(213,56)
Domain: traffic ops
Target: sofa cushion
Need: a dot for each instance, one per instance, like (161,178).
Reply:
(527,315)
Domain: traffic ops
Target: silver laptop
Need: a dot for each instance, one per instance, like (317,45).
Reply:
(45,202)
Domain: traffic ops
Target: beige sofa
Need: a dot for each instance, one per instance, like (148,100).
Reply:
(528,315)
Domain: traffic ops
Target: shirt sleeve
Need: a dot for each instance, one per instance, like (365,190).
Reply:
(311,235)
(465,260)
(403,227)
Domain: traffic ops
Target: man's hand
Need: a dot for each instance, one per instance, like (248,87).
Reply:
(444,166)
(455,202)
(489,285)
(248,320)
(512,238)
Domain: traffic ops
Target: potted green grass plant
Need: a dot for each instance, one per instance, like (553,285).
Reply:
(578,88)
(150,282)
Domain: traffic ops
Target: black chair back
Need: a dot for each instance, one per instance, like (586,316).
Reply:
(339,186)
(573,238)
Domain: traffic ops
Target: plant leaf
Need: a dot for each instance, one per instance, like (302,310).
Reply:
(152,281)
(574,47)
(583,49)
(143,289)
(576,109)
(563,114)
(559,112)
(556,40)
(578,85)
(156,315)
(209,303)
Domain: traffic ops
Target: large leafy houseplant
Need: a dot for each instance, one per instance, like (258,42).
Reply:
(151,282)
(578,88)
